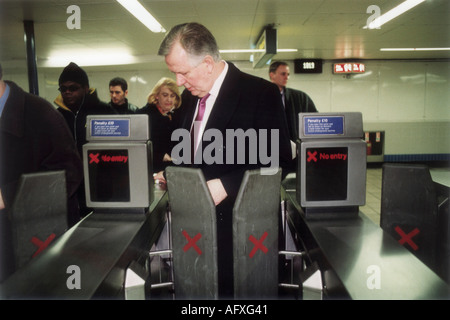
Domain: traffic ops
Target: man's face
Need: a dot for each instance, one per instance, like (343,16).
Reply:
(195,78)
(118,96)
(72,94)
(280,77)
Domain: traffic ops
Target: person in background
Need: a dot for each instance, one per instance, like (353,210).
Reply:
(294,101)
(118,90)
(33,138)
(163,101)
(76,101)
(234,100)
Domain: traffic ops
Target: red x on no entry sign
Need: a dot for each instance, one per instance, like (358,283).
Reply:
(258,244)
(94,158)
(191,242)
(42,244)
(407,237)
(312,156)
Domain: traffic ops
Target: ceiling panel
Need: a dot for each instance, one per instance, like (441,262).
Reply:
(327,29)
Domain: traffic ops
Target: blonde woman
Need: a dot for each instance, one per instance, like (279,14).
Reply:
(162,103)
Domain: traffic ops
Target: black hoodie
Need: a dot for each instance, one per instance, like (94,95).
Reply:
(77,121)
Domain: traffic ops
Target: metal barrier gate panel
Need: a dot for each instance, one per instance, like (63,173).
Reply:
(255,236)
(194,237)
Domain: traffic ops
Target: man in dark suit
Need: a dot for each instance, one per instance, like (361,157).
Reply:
(236,101)
(294,101)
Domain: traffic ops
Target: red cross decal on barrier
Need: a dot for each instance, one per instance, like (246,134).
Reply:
(312,156)
(191,242)
(407,237)
(258,244)
(94,158)
(42,244)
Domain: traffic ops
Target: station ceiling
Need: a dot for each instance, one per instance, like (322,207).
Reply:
(324,29)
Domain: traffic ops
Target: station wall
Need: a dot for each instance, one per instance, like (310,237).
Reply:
(408,99)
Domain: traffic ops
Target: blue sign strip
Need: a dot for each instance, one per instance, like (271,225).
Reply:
(324,125)
(110,128)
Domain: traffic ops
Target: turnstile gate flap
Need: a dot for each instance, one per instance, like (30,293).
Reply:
(255,236)
(193,234)
(409,209)
(39,213)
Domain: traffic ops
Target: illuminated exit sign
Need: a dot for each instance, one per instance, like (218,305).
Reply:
(349,67)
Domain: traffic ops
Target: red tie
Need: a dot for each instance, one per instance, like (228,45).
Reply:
(199,118)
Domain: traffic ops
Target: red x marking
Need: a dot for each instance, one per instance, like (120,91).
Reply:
(94,158)
(258,244)
(407,237)
(191,242)
(42,244)
(312,156)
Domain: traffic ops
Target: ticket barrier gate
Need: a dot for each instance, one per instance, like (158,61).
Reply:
(255,236)
(94,259)
(110,244)
(410,212)
(192,246)
(38,217)
(194,240)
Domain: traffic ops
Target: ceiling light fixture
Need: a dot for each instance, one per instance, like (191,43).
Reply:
(88,58)
(393,13)
(415,49)
(138,10)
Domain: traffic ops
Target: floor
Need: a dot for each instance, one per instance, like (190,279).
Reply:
(373,194)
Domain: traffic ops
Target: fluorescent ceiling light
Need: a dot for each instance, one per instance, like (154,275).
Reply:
(393,13)
(254,50)
(87,58)
(137,10)
(415,49)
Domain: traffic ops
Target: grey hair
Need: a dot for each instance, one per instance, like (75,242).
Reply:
(195,38)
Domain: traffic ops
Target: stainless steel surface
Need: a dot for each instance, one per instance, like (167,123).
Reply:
(360,261)
(100,247)
(441,176)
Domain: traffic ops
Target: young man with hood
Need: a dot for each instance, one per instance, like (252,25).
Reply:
(77,100)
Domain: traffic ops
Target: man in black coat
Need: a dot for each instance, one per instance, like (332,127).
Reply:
(294,101)
(236,102)
(33,138)
(118,90)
